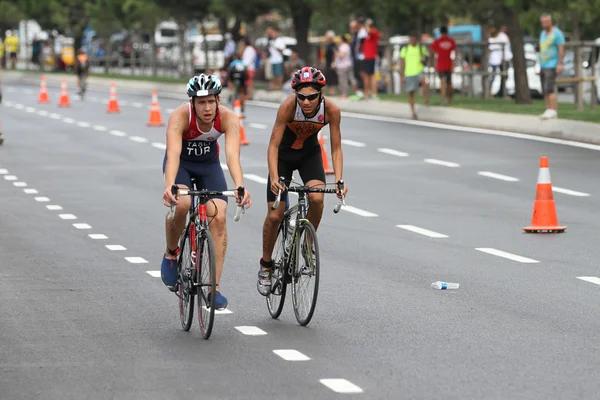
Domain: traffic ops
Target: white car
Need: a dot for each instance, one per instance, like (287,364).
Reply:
(533,77)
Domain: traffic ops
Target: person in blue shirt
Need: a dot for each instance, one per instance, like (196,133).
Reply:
(552,50)
(238,76)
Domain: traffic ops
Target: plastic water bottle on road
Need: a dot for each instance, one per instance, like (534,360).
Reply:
(444,285)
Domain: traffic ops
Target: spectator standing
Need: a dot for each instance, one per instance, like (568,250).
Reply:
(505,40)
(276,47)
(412,64)
(552,50)
(11,48)
(229,50)
(443,48)
(343,66)
(330,72)
(496,56)
(249,56)
(370,54)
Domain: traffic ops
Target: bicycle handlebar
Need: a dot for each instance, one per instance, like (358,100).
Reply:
(229,193)
(304,189)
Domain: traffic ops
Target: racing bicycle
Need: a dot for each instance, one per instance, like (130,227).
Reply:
(296,259)
(196,260)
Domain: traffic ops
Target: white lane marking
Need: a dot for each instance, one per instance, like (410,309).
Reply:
(53,207)
(19,184)
(291,355)
(441,162)
(257,126)
(358,211)
(393,152)
(498,176)
(590,279)
(138,139)
(256,178)
(504,254)
(43,113)
(82,226)
(158,145)
(97,236)
(19,106)
(84,124)
(225,311)
(569,192)
(341,386)
(10,177)
(30,109)
(251,330)
(100,128)
(136,260)
(154,274)
(138,105)
(30,191)
(224,166)
(3,171)
(55,116)
(353,143)
(42,199)
(117,133)
(422,231)
(115,247)
(67,216)
(68,120)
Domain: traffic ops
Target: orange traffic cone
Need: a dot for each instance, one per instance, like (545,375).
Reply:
(237,108)
(328,170)
(43,97)
(544,210)
(155,116)
(64,95)
(113,103)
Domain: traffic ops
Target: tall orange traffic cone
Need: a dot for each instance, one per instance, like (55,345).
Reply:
(328,170)
(113,103)
(43,97)
(237,108)
(64,95)
(544,218)
(155,116)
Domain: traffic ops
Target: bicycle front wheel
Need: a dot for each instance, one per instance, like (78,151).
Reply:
(276,299)
(305,279)
(206,282)
(186,285)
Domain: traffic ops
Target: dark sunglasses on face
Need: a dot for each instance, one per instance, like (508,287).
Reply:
(309,97)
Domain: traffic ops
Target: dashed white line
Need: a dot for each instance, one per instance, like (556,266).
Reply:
(154,274)
(251,330)
(42,199)
(84,124)
(67,216)
(97,236)
(30,109)
(19,106)
(569,192)
(590,279)
(358,211)
(138,139)
(257,126)
(19,184)
(341,386)
(393,152)
(43,113)
(136,104)
(256,178)
(53,207)
(291,355)
(498,176)
(10,177)
(3,171)
(123,102)
(117,133)
(115,247)
(136,260)
(158,145)
(69,120)
(422,231)
(353,143)
(82,226)
(441,162)
(30,191)
(504,254)
(100,128)
(55,116)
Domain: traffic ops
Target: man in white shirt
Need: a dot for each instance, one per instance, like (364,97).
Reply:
(276,48)
(249,58)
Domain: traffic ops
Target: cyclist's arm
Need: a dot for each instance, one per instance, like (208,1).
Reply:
(335,117)
(178,122)
(231,124)
(283,116)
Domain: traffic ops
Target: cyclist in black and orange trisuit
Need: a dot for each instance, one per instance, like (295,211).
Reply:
(294,146)
(82,68)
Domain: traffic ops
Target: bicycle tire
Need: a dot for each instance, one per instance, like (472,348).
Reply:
(186,288)
(205,240)
(280,270)
(305,228)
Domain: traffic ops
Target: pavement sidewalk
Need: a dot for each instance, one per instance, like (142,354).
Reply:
(558,128)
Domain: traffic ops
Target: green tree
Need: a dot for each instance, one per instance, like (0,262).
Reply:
(10,15)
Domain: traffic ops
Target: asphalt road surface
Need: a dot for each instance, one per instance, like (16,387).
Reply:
(84,314)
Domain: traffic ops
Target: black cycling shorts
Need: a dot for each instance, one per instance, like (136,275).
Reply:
(308,162)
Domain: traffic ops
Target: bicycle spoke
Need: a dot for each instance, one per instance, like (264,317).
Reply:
(305,280)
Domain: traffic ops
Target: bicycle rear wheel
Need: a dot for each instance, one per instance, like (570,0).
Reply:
(276,299)
(186,284)
(306,272)
(206,285)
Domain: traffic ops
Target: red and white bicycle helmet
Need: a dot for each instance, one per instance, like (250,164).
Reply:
(308,76)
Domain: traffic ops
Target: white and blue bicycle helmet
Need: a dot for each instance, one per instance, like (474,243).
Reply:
(203,85)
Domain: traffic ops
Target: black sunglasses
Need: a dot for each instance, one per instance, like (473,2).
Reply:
(309,97)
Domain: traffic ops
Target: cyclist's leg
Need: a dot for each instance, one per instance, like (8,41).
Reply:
(313,175)
(174,228)
(242,89)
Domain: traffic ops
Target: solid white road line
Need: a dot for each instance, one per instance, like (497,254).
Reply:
(504,254)
(82,226)
(353,143)
(393,152)
(97,236)
(422,231)
(67,216)
(569,192)
(498,176)
(256,178)
(251,330)
(53,207)
(441,162)
(154,274)
(341,386)
(591,279)
(291,355)
(136,260)
(115,247)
